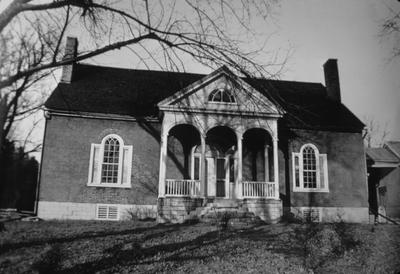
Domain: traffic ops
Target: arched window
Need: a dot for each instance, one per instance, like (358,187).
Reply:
(110,163)
(310,170)
(221,95)
(309,167)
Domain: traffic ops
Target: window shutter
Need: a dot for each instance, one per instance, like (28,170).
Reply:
(323,171)
(296,169)
(127,165)
(94,168)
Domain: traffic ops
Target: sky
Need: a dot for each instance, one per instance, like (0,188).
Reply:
(316,30)
(348,31)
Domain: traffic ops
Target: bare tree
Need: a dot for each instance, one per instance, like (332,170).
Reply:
(375,134)
(391,29)
(31,36)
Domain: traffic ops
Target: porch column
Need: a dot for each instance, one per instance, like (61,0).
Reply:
(163,163)
(266,163)
(239,166)
(203,186)
(276,168)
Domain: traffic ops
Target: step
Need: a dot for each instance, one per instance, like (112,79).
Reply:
(222,203)
(231,214)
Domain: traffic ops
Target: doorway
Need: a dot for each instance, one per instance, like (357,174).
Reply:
(217,177)
(221,177)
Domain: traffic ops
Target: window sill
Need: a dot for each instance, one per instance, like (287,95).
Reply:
(310,190)
(109,185)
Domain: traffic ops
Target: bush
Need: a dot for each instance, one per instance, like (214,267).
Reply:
(322,244)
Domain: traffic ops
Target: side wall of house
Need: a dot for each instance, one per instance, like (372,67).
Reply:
(390,198)
(347,198)
(65,166)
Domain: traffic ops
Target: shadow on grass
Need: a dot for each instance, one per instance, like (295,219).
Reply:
(135,254)
(281,241)
(85,236)
(50,261)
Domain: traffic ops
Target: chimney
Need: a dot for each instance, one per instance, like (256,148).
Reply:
(71,51)
(332,79)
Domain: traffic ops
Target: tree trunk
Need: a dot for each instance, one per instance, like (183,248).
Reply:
(3,120)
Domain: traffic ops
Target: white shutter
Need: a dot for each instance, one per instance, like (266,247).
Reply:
(296,170)
(126,165)
(323,171)
(94,168)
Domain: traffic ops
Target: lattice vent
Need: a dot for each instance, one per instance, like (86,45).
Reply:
(107,212)
(312,214)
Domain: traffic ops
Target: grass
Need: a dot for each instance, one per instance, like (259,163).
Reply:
(127,247)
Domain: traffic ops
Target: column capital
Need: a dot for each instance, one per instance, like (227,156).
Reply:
(239,135)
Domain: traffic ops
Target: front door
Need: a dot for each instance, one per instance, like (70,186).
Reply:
(221,177)
(217,176)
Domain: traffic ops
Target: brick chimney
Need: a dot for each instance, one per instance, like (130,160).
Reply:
(71,51)
(332,79)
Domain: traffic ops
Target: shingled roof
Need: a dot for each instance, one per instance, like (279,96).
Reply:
(136,93)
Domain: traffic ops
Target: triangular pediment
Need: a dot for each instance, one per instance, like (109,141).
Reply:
(221,92)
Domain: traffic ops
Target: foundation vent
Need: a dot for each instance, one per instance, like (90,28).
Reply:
(311,214)
(107,212)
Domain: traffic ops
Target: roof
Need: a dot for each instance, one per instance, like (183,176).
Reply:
(107,90)
(381,155)
(394,147)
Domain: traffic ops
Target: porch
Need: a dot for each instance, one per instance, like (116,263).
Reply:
(222,163)
(247,189)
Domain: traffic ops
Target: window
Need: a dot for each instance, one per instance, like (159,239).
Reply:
(110,166)
(310,170)
(110,163)
(196,167)
(221,95)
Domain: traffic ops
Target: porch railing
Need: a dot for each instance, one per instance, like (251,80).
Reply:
(182,188)
(251,189)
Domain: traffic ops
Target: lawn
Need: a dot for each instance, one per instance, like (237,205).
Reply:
(138,247)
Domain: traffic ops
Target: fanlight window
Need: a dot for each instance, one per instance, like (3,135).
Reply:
(310,170)
(110,163)
(109,171)
(221,95)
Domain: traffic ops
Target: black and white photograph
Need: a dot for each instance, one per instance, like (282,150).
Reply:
(199,136)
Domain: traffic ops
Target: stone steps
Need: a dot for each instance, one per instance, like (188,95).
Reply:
(226,212)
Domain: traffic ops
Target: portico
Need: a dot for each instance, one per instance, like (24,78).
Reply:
(227,149)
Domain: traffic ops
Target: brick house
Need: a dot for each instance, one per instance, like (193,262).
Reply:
(121,142)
